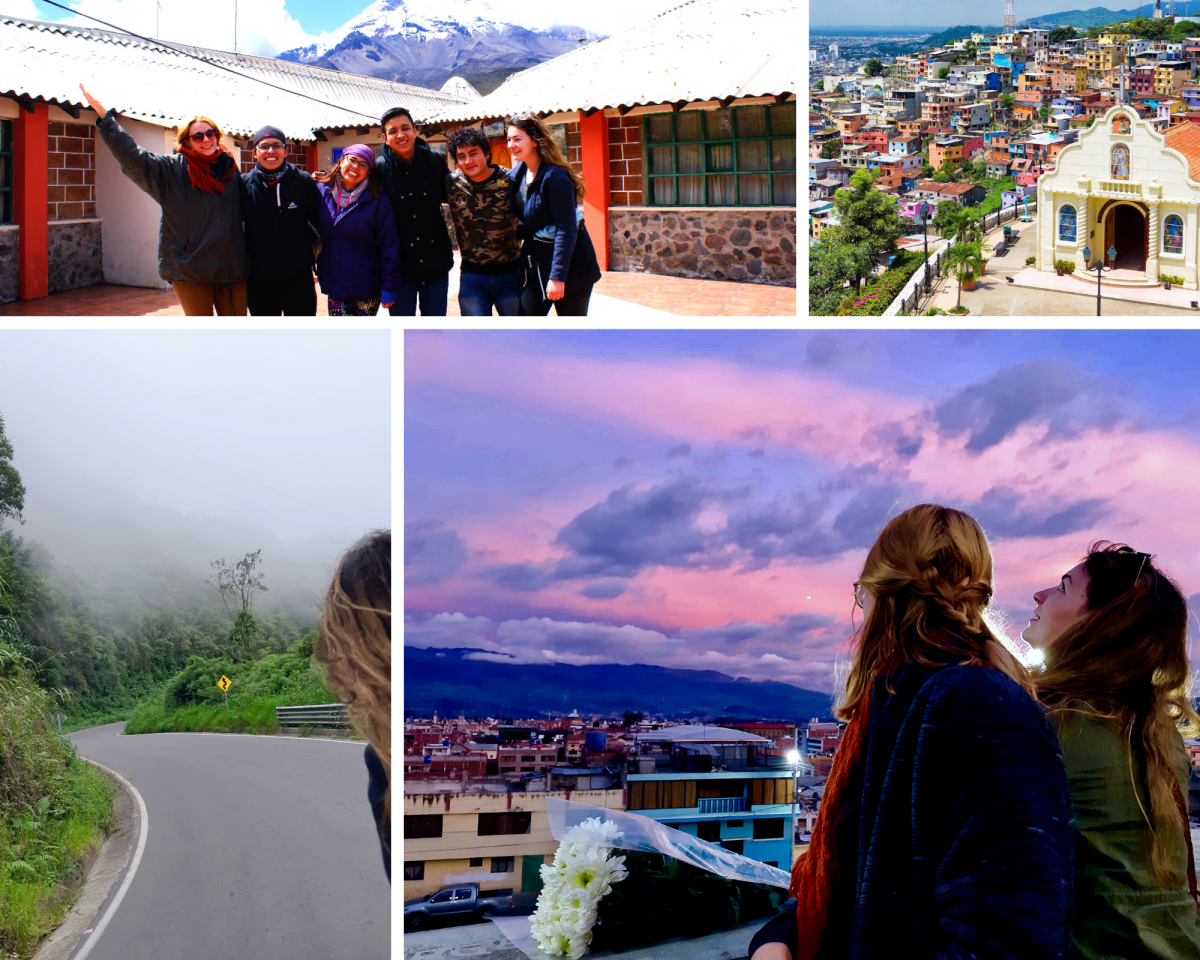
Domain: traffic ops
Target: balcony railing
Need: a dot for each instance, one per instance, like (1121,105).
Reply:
(723,805)
(1131,189)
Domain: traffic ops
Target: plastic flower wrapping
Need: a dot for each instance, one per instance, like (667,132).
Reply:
(582,873)
(592,900)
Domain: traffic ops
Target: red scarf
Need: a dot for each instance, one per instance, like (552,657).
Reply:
(812,883)
(199,168)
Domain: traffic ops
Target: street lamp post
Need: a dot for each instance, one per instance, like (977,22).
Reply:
(1100,268)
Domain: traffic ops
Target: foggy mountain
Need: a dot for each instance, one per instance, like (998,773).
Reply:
(452,682)
(426,42)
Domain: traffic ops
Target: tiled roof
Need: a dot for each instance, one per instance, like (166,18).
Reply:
(153,82)
(698,50)
(1186,139)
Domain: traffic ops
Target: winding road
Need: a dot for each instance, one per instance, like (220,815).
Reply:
(257,847)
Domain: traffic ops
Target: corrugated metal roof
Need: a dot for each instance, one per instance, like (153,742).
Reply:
(150,81)
(699,50)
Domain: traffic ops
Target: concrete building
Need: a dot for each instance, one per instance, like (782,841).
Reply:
(722,785)
(684,128)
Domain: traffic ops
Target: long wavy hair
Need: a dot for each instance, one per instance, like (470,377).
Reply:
(1126,662)
(930,574)
(547,147)
(356,643)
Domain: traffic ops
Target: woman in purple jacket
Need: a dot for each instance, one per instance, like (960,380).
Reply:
(359,263)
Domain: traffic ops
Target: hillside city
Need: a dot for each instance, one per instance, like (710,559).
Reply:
(475,790)
(941,147)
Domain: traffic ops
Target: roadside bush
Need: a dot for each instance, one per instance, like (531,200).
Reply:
(1030,261)
(877,294)
(1169,279)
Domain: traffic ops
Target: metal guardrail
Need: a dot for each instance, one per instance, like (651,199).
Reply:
(319,715)
(722,805)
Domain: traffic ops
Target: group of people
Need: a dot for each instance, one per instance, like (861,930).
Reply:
(372,226)
(980,809)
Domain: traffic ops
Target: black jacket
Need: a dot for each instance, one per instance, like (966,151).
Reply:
(200,238)
(282,222)
(550,202)
(377,785)
(417,190)
(965,835)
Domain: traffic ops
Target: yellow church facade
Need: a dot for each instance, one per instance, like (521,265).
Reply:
(1124,187)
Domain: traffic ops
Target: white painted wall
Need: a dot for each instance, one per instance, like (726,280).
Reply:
(131,218)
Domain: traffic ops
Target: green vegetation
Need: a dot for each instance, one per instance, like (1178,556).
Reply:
(832,264)
(873,68)
(993,200)
(1061,34)
(54,807)
(965,261)
(956,33)
(1030,261)
(879,292)
(1066,266)
(1167,278)
(831,149)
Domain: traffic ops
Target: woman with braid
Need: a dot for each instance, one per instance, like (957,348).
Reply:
(945,828)
(201,247)
(356,648)
(1115,686)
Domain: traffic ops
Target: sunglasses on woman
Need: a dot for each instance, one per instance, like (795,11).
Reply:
(206,135)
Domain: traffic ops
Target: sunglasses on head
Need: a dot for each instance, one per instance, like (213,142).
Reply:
(206,135)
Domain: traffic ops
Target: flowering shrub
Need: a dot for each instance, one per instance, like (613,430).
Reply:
(876,294)
(1166,278)
(573,885)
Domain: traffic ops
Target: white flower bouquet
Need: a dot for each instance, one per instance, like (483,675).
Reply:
(582,873)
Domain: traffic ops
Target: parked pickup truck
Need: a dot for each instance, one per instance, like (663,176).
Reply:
(459,899)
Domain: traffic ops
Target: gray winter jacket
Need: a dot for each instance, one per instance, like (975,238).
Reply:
(200,239)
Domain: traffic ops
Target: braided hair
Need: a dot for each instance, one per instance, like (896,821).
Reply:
(930,574)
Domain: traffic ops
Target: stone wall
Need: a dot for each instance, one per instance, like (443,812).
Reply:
(755,245)
(76,254)
(8,263)
(71,157)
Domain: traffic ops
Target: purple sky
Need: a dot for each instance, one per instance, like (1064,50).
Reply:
(705,499)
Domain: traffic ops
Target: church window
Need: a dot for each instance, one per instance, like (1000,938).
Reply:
(1066,224)
(1173,234)
(1120,162)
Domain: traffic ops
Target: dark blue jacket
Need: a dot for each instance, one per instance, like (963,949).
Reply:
(550,201)
(377,785)
(360,253)
(965,834)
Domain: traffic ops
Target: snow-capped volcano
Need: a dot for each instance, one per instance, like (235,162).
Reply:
(426,42)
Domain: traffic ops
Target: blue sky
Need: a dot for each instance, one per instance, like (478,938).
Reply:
(943,13)
(704,499)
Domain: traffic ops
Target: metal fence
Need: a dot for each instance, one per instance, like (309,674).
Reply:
(722,805)
(909,299)
(319,715)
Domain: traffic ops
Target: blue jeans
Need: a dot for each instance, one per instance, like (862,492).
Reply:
(433,294)
(479,292)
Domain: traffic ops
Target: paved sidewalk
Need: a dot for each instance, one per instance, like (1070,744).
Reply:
(623,295)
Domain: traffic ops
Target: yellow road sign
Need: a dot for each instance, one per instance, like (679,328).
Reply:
(224,683)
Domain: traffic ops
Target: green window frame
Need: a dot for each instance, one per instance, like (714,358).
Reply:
(6,171)
(733,157)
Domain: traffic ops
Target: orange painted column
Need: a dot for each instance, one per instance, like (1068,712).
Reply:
(593,135)
(31,179)
(310,158)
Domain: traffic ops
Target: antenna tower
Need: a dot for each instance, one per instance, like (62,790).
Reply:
(1010,17)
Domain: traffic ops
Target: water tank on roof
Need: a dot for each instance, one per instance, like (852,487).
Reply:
(595,740)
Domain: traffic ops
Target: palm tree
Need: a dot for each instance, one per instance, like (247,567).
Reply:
(963,224)
(964,258)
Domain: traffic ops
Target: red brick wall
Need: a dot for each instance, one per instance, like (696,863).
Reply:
(297,155)
(71,191)
(574,146)
(626,159)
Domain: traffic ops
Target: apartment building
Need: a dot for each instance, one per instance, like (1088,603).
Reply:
(497,839)
(1170,75)
(945,150)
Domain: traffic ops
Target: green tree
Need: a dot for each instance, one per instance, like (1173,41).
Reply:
(630,718)
(1060,34)
(12,491)
(237,582)
(1044,113)
(831,149)
(873,68)
(943,73)
(1091,120)
(1008,101)
(869,218)
(971,50)
(832,264)
(965,261)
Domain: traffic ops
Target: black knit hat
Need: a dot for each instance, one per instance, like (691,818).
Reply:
(265,132)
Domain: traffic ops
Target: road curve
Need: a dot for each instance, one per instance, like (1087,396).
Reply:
(257,847)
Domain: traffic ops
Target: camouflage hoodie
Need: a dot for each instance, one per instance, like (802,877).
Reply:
(484,222)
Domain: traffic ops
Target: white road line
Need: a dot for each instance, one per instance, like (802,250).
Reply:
(137,859)
(256,736)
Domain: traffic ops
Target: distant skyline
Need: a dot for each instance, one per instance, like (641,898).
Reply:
(704,500)
(942,13)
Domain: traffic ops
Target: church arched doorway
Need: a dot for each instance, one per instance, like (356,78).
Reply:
(1125,227)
